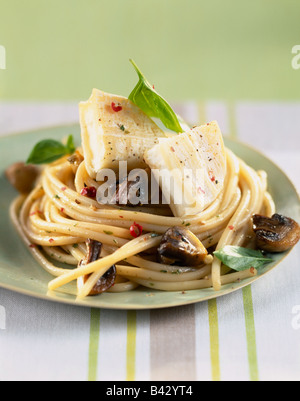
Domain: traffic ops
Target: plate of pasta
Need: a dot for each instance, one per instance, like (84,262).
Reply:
(134,209)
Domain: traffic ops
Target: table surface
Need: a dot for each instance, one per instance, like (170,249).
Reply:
(250,335)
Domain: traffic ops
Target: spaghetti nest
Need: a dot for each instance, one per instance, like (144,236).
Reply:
(56,220)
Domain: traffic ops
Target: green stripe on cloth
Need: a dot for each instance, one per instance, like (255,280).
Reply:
(250,333)
(214,340)
(247,291)
(94,344)
(131,345)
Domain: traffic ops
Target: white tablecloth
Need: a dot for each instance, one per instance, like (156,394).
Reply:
(252,334)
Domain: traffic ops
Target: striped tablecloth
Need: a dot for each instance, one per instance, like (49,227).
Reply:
(250,335)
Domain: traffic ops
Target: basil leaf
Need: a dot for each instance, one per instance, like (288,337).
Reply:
(70,145)
(49,150)
(239,259)
(146,98)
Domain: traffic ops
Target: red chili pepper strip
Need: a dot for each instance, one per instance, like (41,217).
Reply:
(90,192)
(116,108)
(136,230)
(212,176)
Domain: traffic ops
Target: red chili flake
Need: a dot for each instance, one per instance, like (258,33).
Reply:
(173,150)
(211,176)
(121,217)
(116,108)
(32,246)
(36,212)
(63,188)
(136,230)
(90,192)
(51,240)
(201,190)
(231,227)
(62,210)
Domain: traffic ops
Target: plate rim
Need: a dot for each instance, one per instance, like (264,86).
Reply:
(90,304)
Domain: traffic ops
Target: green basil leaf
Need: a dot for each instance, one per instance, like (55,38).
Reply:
(239,259)
(49,150)
(146,98)
(70,145)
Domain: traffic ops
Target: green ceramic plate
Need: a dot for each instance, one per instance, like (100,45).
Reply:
(19,272)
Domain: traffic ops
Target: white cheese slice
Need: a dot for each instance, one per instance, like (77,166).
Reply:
(114,129)
(190,168)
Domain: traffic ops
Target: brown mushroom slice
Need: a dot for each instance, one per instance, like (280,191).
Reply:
(107,280)
(22,176)
(75,160)
(181,246)
(276,234)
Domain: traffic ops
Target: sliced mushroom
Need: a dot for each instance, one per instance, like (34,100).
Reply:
(22,176)
(181,246)
(275,234)
(75,160)
(107,280)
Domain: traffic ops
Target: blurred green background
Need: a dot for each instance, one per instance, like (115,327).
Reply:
(190,49)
